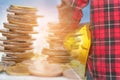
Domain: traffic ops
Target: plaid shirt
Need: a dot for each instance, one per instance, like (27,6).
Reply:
(104,59)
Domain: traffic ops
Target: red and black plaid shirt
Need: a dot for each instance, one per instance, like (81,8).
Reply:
(104,59)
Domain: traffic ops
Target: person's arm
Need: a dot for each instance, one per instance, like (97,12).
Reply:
(76,3)
(70,12)
(68,2)
(79,3)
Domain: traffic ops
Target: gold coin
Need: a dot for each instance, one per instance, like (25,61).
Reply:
(46,69)
(58,59)
(22,27)
(22,9)
(17,18)
(17,35)
(18,70)
(20,23)
(1,67)
(21,55)
(53,52)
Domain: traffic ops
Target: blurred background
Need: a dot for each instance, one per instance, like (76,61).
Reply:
(46,8)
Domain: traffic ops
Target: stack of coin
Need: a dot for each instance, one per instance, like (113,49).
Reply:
(56,51)
(17,33)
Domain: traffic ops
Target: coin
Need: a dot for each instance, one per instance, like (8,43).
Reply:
(18,70)
(1,66)
(52,52)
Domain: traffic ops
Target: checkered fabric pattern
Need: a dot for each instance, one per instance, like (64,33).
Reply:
(78,5)
(104,59)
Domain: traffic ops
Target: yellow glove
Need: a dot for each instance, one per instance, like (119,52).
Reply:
(78,43)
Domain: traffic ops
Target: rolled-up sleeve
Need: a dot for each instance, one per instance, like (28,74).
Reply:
(77,6)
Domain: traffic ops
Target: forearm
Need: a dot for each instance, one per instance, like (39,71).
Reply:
(70,12)
(77,6)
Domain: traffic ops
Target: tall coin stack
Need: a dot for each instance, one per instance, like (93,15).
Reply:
(56,51)
(17,34)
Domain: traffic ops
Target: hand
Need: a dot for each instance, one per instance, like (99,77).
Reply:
(66,13)
(66,2)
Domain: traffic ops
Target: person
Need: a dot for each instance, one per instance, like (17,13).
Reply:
(104,57)
(76,16)
(68,15)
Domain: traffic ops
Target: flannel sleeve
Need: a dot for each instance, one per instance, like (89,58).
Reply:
(77,6)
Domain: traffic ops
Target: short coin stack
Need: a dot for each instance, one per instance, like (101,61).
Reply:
(56,51)
(17,33)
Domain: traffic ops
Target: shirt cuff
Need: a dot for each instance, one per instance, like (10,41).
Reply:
(79,4)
